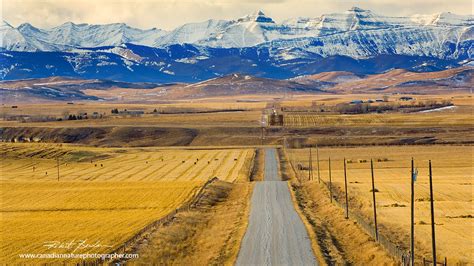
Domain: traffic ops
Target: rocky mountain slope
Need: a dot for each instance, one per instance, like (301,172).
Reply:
(357,41)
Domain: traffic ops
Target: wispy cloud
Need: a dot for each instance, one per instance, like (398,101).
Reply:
(167,14)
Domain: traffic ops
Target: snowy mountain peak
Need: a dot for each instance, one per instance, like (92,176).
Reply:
(442,30)
(68,24)
(442,19)
(352,40)
(448,18)
(25,27)
(355,9)
(12,39)
(257,16)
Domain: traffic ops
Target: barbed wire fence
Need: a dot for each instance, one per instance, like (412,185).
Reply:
(384,238)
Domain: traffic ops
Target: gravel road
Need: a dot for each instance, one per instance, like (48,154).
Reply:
(275,234)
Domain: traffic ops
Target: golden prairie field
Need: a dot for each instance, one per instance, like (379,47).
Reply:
(446,118)
(59,109)
(250,117)
(452,182)
(244,118)
(460,115)
(459,99)
(247,114)
(104,195)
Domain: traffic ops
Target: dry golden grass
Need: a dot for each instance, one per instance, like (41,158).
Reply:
(452,181)
(106,200)
(341,241)
(258,170)
(209,234)
(334,239)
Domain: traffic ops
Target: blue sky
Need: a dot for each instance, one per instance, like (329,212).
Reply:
(167,14)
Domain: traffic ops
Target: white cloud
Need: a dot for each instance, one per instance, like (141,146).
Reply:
(167,14)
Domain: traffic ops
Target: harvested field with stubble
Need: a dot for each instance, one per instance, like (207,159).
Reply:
(452,181)
(104,195)
(37,162)
(461,117)
(37,214)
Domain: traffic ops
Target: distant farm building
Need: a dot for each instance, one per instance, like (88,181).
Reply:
(356,101)
(276,119)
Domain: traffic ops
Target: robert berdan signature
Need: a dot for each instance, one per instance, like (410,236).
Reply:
(74,245)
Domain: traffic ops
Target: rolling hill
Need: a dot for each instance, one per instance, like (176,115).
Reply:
(394,81)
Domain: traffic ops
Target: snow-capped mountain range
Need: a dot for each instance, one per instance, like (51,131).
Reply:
(254,44)
(247,31)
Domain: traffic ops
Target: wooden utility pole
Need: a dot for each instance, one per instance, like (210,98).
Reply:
(374,201)
(317,155)
(412,221)
(330,180)
(57,164)
(310,174)
(433,236)
(345,188)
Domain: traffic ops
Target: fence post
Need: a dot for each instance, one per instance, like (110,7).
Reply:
(374,201)
(310,164)
(330,180)
(445,261)
(433,235)
(345,188)
(412,216)
(317,155)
